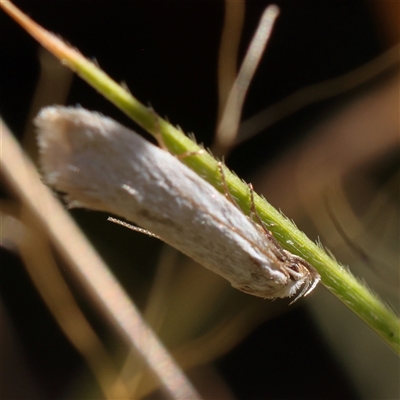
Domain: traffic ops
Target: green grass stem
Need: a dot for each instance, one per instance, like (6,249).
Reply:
(334,277)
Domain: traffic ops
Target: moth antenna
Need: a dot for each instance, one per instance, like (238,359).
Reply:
(132,227)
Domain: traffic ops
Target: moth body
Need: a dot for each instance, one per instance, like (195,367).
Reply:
(104,166)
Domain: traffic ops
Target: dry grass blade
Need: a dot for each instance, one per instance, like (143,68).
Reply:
(89,268)
(229,124)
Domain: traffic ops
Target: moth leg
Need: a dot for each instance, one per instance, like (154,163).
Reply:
(189,154)
(279,252)
(314,276)
(157,129)
(225,186)
(304,272)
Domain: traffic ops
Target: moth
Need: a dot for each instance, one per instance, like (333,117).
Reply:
(101,165)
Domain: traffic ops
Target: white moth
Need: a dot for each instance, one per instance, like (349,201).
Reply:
(104,166)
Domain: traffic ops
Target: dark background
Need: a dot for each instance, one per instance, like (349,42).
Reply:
(166,52)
